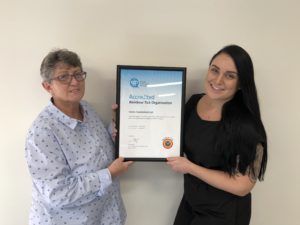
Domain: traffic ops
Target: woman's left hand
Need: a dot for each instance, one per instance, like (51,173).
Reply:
(180,164)
(114,130)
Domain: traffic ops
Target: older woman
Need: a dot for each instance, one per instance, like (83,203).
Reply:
(70,153)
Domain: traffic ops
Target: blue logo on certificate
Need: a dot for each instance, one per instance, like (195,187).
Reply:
(134,82)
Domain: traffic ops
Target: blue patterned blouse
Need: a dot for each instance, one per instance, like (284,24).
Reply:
(68,161)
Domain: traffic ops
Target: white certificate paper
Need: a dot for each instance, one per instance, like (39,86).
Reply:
(150,114)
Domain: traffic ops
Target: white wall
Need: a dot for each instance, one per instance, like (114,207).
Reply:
(155,32)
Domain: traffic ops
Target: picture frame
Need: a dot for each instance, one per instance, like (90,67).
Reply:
(149,117)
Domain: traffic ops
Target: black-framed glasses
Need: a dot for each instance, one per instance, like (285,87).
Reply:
(66,78)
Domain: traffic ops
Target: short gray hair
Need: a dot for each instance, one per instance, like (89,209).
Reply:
(56,56)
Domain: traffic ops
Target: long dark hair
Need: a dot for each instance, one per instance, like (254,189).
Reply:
(241,128)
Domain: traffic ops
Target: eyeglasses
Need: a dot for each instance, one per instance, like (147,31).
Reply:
(66,78)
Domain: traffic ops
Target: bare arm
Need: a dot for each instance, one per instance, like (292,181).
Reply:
(237,184)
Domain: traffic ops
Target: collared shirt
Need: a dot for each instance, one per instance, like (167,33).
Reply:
(68,161)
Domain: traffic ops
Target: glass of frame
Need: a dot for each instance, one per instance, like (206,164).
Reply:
(150,114)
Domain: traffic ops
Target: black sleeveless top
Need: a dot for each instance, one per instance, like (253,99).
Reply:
(199,140)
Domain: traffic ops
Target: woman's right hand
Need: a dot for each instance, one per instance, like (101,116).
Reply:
(180,164)
(119,166)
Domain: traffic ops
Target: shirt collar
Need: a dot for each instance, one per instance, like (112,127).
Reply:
(65,119)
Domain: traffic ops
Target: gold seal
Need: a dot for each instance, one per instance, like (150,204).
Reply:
(167,143)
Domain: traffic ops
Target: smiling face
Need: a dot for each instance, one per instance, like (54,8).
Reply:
(221,81)
(65,93)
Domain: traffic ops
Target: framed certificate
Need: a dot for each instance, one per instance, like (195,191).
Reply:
(150,113)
